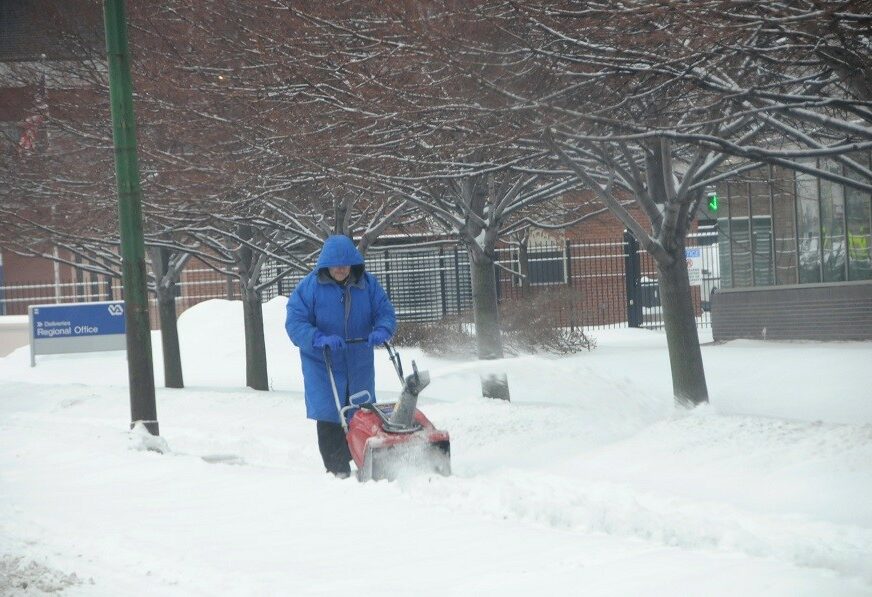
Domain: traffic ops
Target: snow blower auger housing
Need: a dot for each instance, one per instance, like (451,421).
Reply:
(388,439)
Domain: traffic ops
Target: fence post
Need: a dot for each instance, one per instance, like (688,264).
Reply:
(567,272)
(567,262)
(632,276)
(442,282)
(457,279)
(79,286)
(387,273)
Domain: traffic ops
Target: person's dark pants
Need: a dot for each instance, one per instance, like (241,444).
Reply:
(334,448)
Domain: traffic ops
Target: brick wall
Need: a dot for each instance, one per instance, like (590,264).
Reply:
(800,312)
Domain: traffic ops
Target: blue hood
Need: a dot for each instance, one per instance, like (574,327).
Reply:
(338,250)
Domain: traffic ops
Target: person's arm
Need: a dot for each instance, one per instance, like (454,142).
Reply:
(300,319)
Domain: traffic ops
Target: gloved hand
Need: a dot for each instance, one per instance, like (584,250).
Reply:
(377,336)
(334,342)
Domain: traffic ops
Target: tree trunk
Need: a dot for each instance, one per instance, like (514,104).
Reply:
(685,356)
(255,346)
(524,266)
(487,325)
(169,336)
(165,289)
(486,311)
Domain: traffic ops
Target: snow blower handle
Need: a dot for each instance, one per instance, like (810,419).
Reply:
(393,354)
(328,360)
(354,401)
(398,364)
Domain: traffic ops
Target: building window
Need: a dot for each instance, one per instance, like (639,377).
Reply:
(734,239)
(808,228)
(761,228)
(784,225)
(724,255)
(859,224)
(745,234)
(833,242)
(546,266)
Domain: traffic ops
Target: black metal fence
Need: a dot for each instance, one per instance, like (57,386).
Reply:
(581,283)
(596,283)
(424,284)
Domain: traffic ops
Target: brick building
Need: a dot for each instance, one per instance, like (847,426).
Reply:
(34,75)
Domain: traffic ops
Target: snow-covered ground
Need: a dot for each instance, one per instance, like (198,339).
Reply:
(589,482)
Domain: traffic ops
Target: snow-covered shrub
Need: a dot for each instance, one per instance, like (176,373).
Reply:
(533,323)
(450,337)
(530,324)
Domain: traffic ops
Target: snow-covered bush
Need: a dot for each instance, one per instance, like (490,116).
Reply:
(530,324)
(450,337)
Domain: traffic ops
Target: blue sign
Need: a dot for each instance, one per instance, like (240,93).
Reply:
(76,327)
(77,320)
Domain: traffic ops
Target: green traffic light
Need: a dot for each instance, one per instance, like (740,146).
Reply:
(713,202)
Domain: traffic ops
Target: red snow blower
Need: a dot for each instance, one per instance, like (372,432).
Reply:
(388,439)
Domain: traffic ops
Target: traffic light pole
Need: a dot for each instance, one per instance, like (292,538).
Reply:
(139,365)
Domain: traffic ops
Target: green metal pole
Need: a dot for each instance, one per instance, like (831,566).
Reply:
(139,364)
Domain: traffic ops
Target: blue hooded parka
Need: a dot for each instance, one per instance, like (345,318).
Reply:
(350,310)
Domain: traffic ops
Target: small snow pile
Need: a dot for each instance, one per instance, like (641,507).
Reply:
(232,459)
(141,440)
(18,577)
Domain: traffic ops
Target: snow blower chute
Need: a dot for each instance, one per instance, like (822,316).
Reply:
(388,439)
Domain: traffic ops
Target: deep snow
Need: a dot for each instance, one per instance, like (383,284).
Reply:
(588,482)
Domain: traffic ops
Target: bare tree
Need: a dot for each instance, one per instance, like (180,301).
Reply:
(238,127)
(651,101)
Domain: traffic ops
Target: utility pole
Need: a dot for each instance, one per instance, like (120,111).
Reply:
(139,365)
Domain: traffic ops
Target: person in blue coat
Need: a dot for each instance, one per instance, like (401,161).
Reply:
(335,302)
